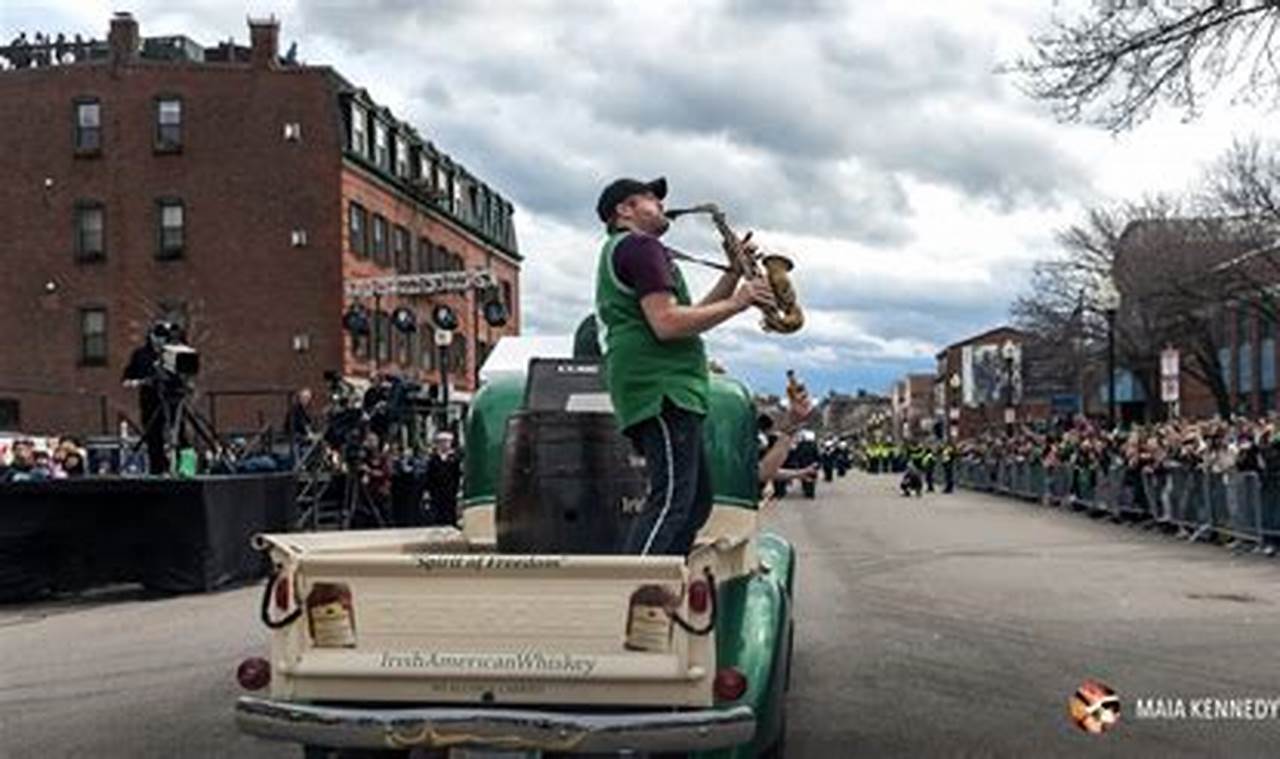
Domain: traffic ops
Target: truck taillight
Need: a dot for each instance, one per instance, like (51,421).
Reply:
(730,684)
(699,596)
(331,615)
(254,673)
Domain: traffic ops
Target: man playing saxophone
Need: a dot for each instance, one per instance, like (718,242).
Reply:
(655,362)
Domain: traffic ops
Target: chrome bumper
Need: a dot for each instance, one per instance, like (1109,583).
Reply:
(512,729)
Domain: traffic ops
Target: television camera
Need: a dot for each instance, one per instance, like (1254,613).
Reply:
(385,408)
(176,364)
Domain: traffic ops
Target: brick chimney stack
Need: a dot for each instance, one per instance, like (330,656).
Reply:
(264,41)
(123,39)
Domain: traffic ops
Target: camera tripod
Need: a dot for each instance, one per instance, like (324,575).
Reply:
(175,412)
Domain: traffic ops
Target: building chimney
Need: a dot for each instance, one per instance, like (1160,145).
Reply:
(123,39)
(264,40)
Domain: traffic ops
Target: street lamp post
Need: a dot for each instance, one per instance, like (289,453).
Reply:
(1109,301)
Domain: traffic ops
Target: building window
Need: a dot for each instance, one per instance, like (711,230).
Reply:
(425,171)
(10,414)
(442,184)
(404,347)
(420,335)
(400,251)
(357,229)
(168,124)
(402,157)
(457,196)
(359,131)
(507,298)
(381,150)
(423,257)
(360,347)
(380,239)
(93,336)
(172,232)
(1244,355)
(90,227)
(382,337)
(88,123)
(426,347)
(458,356)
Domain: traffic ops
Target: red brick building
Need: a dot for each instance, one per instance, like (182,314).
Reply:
(976,384)
(911,402)
(1232,340)
(232,190)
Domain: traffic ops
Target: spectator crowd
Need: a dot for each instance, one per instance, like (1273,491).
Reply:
(23,460)
(1215,445)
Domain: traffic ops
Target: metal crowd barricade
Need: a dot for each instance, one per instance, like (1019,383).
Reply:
(1244,506)
(1269,521)
(1058,488)
(1158,488)
(1241,518)
(1085,480)
(1017,474)
(1036,482)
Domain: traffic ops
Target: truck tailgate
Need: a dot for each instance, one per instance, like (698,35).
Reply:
(491,628)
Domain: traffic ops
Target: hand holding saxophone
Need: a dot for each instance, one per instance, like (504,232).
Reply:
(754,292)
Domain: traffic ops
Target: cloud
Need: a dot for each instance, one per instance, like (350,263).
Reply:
(868,155)
(871,141)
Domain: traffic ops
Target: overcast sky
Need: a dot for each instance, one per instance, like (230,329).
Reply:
(871,141)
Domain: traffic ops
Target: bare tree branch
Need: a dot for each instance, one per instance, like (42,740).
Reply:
(1114,66)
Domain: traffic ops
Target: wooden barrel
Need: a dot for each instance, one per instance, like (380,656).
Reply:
(570,482)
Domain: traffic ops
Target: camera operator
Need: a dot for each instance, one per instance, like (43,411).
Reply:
(142,372)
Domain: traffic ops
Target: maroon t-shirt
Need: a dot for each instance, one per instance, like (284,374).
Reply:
(643,264)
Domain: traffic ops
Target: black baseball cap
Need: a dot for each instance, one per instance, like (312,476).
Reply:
(621,189)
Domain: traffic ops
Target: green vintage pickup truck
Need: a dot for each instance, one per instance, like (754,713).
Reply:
(444,642)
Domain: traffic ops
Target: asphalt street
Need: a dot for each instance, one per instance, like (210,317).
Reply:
(959,625)
(950,625)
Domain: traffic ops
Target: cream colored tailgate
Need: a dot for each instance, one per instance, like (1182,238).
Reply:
(492,628)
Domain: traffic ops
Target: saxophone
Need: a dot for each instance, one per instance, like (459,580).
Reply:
(787,317)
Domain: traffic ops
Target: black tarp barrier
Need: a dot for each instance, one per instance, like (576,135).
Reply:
(171,535)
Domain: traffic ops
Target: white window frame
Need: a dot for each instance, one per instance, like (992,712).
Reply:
(359,129)
(381,148)
(402,156)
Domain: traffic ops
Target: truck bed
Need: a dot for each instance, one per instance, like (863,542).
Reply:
(423,616)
